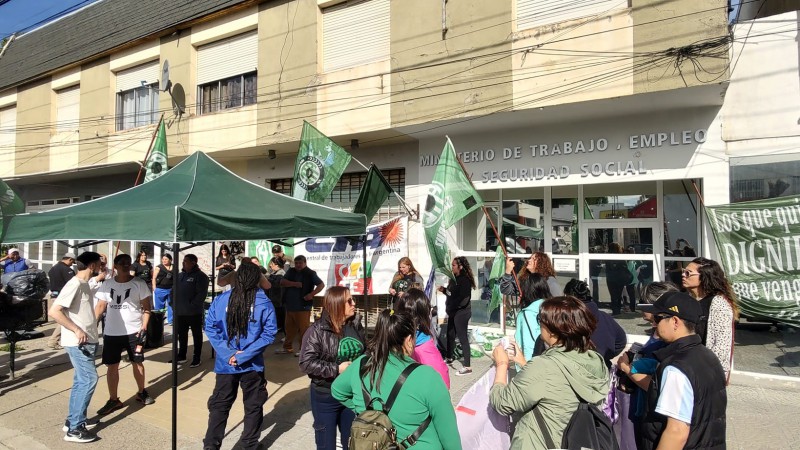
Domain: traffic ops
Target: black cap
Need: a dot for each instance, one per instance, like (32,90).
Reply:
(677,304)
(277,249)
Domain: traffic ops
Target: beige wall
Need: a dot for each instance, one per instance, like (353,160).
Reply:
(427,78)
(33,112)
(287,69)
(456,89)
(97,100)
(182,57)
(668,24)
(579,60)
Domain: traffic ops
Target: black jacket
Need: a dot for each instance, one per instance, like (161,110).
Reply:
(459,293)
(704,371)
(319,353)
(608,338)
(192,291)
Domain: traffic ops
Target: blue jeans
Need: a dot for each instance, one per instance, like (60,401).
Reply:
(329,415)
(162,298)
(83,383)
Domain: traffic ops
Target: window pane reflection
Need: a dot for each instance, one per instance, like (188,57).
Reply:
(621,240)
(621,207)
(565,226)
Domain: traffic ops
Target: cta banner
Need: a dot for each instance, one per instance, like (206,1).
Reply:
(339,261)
(759,246)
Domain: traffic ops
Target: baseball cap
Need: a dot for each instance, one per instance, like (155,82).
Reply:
(277,249)
(12,250)
(69,255)
(677,304)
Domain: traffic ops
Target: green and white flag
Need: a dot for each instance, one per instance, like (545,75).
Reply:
(498,269)
(375,191)
(320,164)
(157,161)
(759,250)
(450,198)
(10,205)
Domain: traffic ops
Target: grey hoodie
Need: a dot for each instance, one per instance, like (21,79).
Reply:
(550,382)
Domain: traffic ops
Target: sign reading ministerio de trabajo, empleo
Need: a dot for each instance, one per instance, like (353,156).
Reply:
(508,163)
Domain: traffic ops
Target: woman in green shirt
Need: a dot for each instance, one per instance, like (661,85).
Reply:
(423,395)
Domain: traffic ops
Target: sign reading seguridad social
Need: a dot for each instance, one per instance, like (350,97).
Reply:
(759,246)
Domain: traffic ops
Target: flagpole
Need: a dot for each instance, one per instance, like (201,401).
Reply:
(497,235)
(142,165)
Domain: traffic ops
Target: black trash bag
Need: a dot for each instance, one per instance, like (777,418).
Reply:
(27,286)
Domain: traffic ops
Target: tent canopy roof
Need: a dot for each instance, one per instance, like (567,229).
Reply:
(196,201)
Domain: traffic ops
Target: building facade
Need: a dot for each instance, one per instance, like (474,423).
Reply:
(582,124)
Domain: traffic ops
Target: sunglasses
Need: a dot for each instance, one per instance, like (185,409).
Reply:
(658,318)
(350,301)
(689,274)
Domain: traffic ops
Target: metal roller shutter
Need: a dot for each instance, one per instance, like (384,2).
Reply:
(133,77)
(226,58)
(68,108)
(534,13)
(355,33)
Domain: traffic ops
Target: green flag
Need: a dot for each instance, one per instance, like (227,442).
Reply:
(320,164)
(758,248)
(450,198)
(157,161)
(10,205)
(498,269)
(374,192)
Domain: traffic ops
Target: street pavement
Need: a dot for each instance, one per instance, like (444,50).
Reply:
(762,409)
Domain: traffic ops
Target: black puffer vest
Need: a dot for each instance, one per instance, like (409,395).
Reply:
(704,371)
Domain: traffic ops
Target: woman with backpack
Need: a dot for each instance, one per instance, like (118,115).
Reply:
(548,384)
(162,285)
(415,302)
(328,348)
(421,406)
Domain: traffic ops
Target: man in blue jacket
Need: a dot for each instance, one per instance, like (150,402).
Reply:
(240,324)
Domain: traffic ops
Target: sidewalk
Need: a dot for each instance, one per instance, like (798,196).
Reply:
(762,410)
(33,407)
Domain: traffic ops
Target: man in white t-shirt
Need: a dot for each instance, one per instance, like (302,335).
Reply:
(74,311)
(127,301)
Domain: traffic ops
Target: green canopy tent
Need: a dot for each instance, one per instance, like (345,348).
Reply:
(198,200)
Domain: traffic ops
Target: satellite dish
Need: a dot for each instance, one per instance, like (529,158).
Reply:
(166,84)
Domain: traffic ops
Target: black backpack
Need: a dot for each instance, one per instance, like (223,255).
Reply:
(372,429)
(588,428)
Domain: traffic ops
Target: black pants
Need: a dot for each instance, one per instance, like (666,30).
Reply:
(631,290)
(254,395)
(615,289)
(280,317)
(457,326)
(196,325)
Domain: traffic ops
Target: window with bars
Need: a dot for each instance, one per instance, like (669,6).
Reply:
(228,93)
(345,194)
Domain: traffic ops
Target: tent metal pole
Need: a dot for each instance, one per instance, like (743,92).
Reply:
(213,269)
(366,283)
(176,248)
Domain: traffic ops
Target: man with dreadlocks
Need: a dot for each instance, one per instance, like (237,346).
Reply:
(240,324)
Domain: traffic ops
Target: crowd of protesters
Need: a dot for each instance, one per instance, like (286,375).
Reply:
(564,350)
